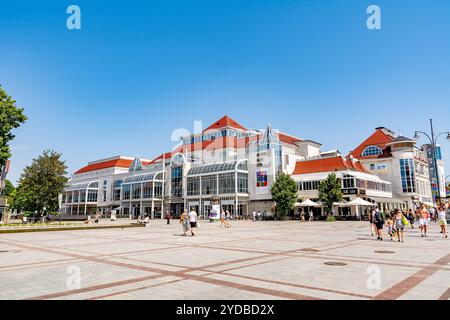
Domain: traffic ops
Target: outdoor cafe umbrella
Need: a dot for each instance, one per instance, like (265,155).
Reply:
(307,203)
(360,202)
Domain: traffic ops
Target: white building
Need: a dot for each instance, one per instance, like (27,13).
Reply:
(397,159)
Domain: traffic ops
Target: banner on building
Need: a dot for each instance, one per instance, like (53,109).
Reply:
(262,183)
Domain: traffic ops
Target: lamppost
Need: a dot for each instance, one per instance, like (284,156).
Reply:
(433,138)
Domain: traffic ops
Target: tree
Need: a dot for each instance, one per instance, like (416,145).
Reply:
(284,193)
(330,192)
(42,182)
(9,188)
(11,117)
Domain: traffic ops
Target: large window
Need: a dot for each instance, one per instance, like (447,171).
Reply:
(177,181)
(348,182)
(147,190)
(92,195)
(136,190)
(226,183)
(209,184)
(242,182)
(126,191)
(193,186)
(407,175)
(372,151)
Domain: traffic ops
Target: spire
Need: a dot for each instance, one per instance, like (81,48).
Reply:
(269,137)
(136,165)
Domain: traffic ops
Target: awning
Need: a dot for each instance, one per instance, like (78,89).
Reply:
(387,200)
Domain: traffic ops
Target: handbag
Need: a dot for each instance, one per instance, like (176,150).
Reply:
(405,221)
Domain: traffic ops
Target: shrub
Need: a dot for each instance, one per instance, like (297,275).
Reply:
(331,218)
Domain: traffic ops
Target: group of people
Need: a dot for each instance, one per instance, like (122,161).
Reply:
(397,220)
(225,218)
(303,216)
(189,222)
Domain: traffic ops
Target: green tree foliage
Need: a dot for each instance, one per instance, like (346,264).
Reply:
(284,193)
(11,117)
(9,188)
(329,192)
(42,182)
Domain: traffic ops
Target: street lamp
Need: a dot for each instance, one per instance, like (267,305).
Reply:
(433,140)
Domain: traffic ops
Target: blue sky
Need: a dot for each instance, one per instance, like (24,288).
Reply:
(137,70)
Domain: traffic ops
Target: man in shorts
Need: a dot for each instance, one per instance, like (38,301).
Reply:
(424,217)
(193,221)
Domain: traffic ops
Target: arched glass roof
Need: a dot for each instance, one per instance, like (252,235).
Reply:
(143,177)
(83,185)
(217,167)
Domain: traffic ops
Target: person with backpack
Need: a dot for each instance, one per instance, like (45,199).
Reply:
(379,223)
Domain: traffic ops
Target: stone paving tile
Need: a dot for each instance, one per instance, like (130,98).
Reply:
(251,260)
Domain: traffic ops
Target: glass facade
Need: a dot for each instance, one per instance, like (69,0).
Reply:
(407,175)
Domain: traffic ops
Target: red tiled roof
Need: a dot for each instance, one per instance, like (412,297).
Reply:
(120,163)
(378,138)
(327,164)
(223,122)
(287,138)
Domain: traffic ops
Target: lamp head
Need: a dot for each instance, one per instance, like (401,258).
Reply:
(448,135)
(416,135)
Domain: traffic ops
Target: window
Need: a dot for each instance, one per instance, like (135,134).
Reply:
(407,175)
(209,184)
(177,181)
(147,190)
(92,196)
(372,166)
(242,182)
(136,190)
(348,182)
(193,186)
(371,151)
(126,191)
(226,183)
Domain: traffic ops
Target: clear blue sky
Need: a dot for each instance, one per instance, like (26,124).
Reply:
(137,70)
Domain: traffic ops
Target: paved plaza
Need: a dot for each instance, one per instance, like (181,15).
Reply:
(251,260)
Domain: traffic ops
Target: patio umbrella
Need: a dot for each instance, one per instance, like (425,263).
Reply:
(307,203)
(359,202)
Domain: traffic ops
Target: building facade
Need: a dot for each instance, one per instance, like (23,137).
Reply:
(235,167)
(398,160)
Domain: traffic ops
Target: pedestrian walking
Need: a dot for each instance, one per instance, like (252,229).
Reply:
(227,219)
(193,221)
(184,220)
(168,217)
(311,216)
(254,215)
(423,220)
(443,221)
(400,223)
(372,224)
(259,215)
(222,218)
(411,218)
(303,216)
(379,223)
(390,226)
